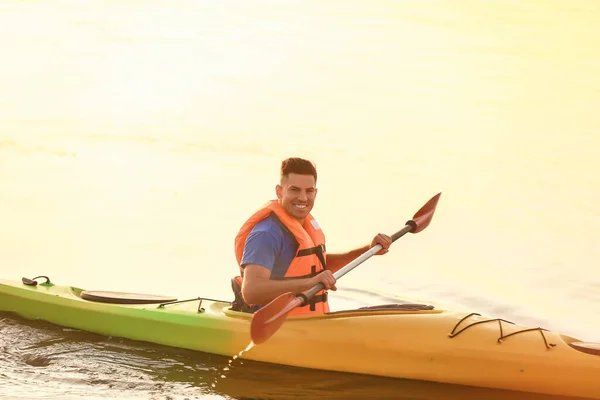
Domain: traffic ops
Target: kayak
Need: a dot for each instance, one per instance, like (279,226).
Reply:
(412,341)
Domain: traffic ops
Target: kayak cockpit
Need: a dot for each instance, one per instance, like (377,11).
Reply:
(586,347)
(388,307)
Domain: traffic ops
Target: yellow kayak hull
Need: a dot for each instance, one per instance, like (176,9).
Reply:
(432,345)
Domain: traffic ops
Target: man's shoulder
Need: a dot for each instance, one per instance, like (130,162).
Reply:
(270,224)
(273,226)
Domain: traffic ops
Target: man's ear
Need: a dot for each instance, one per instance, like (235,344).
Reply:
(279,191)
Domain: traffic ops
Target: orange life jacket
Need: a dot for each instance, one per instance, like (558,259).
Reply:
(310,257)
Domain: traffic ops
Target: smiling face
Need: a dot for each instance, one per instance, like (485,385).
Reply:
(296,194)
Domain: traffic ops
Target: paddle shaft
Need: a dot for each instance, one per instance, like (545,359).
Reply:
(267,320)
(410,225)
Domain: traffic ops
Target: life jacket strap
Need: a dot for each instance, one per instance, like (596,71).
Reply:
(322,298)
(318,250)
(313,300)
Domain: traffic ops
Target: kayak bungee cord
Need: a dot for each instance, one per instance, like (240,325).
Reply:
(200,309)
(502,336)
(33,282)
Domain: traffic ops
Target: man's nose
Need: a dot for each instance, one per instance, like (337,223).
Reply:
(303,196)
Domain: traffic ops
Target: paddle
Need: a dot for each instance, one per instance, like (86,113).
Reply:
(267,320)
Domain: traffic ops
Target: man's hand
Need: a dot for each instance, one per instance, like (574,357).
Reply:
(326,278)
(384,240)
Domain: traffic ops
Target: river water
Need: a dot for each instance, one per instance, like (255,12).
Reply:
(136,138)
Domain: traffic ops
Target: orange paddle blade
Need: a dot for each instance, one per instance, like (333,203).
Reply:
(423,217)
(267,320)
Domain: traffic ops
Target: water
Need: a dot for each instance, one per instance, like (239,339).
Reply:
(136,138)
(231,361)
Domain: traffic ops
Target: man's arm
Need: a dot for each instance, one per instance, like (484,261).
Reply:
(337,261)
(258,288)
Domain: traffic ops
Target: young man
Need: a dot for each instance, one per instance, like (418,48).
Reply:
(281,247)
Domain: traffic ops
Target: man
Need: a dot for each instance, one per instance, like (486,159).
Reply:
(281,247)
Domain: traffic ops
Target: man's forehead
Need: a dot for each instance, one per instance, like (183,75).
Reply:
(301,181)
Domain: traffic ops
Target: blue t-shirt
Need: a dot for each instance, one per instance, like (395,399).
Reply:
(271,245)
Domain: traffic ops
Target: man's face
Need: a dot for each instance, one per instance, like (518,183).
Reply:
(297,195)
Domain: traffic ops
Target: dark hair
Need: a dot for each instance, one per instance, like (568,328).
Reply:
(295,165)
